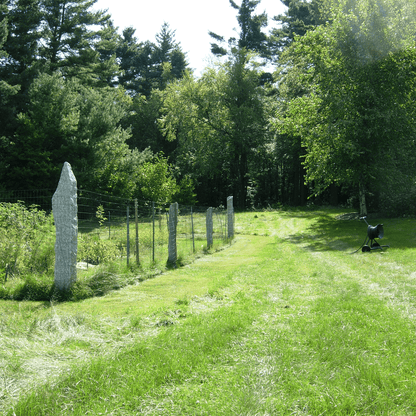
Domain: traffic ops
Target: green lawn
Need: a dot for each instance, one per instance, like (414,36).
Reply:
(284,321)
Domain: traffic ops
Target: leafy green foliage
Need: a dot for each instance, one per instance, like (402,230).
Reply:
(355,119)
(218,121)
(156,182)
(185,193)
(92,249)
(26,241)
(142,122)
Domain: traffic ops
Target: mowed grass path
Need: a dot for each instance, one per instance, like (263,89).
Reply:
(285,321)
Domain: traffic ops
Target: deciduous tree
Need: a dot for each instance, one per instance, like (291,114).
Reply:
(156,182)
(356,121)
(219,122)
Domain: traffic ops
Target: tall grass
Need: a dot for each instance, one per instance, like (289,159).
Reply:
(27,257)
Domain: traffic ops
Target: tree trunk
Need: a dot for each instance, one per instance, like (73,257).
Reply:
(361,197)
(334,195)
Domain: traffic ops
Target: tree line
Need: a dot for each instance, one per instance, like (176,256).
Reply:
(319,109)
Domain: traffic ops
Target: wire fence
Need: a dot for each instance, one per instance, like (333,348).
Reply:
(110,227)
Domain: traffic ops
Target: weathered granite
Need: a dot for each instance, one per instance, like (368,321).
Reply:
(230,216)
(173,221)
(65,214)
(210,228)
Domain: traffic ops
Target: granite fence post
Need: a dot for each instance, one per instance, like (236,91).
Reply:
(65,214)
(230,216)
(173,221)
(210,228)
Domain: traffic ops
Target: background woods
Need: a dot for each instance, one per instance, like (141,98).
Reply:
(317,106)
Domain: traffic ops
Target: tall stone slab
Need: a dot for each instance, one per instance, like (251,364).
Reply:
(230,216)
(173,222)
(210,228)
(65,214)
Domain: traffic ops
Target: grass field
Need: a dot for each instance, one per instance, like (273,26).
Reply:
(284,321)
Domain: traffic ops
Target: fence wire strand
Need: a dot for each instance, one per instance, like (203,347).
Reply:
(111,227)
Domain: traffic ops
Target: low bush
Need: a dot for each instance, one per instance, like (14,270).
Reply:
(27,241)
(94,250)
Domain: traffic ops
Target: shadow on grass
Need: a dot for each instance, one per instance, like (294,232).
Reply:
(347,233)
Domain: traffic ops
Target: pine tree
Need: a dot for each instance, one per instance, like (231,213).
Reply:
(65,35)
(300,16)
(251,36)
(21,45)
(147,66)
(167,50)
(76,40)
(67,29)
(6,92)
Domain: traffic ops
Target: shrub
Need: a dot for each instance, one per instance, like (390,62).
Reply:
(27,238)
(94,250)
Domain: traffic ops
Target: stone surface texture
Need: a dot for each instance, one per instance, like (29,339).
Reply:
(65,214)
(173,221)
(230,216)
(210,227)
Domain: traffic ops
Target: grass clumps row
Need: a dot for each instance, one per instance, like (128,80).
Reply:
(98,281)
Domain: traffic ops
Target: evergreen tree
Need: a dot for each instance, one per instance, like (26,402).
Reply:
(46,35)
(6,92)
(167,51)
(147,66)
(300,16)
(136,63)
(147,69)
(19,65)
(21,45)
(77,40)
(67,28)
(251,36)
(97,66)
(68,121)
(127,55)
